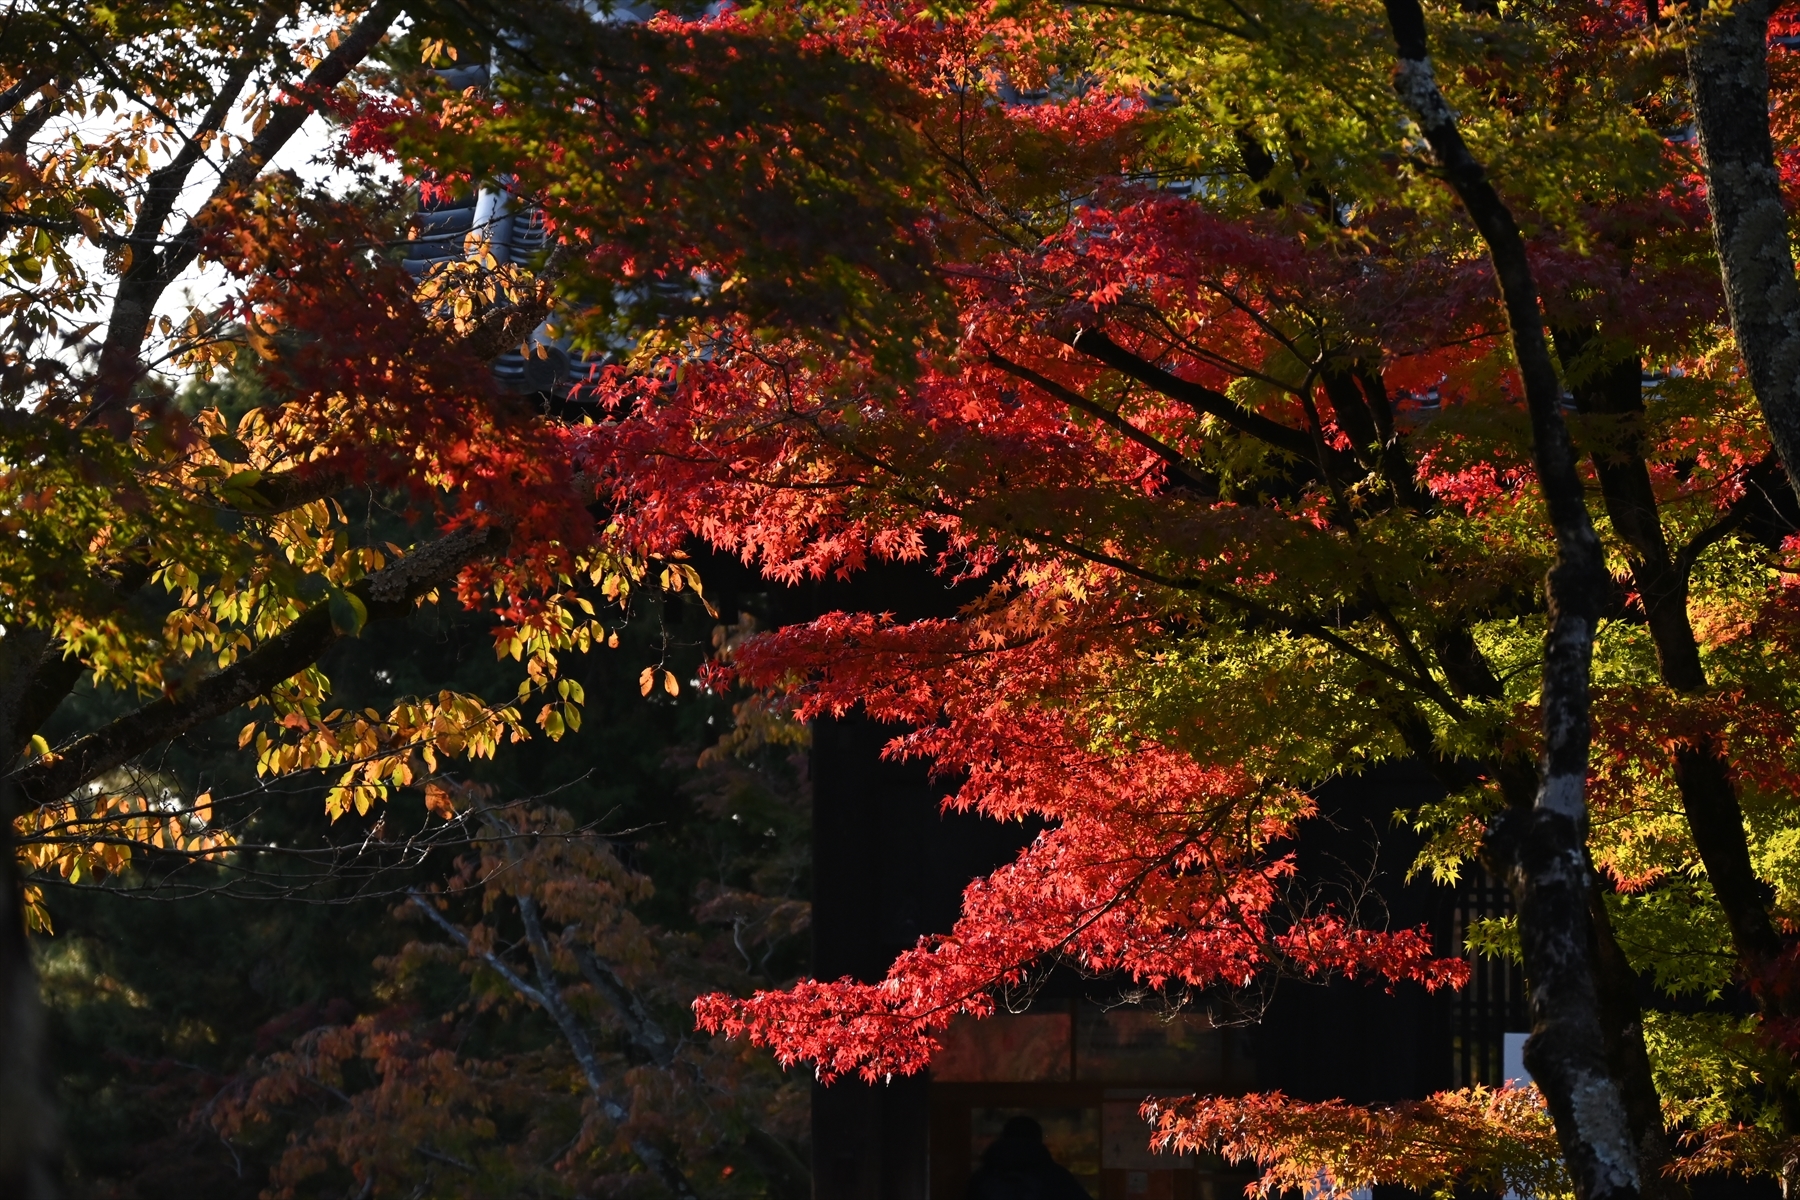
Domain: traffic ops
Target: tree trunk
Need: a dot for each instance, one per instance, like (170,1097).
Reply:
(27,1121)
(1709,797)
(1630,1057)
(27,1118)
(1728,76)
(1542,850)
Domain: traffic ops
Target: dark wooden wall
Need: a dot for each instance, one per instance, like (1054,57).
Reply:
(1358,1041)
(888,867)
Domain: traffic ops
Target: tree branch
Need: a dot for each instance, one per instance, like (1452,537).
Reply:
(1305,626)
(558,1008)
(1614,392)
(26,84)
(18,138)
(151,273)
(1179,468)
(640,1027)
(53,225)
(165,184)
(1766,476)
(387,594)
(1360,400)
(1097,345)
(286,120)
(497,964)
(283,491)
(56,672)
(550,999)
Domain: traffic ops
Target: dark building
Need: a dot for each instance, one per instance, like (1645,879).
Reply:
(889,866)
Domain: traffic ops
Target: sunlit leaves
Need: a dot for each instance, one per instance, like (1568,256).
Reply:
(1481,1137)
(180,536)
(93,835)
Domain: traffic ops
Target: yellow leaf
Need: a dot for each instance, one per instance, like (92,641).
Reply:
(37,917)
(670,685)
(646,681)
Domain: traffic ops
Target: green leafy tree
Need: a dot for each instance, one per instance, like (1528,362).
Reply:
(179,563)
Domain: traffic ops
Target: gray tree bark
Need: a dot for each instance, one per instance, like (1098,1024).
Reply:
(1728,77)
(548,996)
(1542,851)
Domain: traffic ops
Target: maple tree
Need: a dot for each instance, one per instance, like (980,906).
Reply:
(457,1091)
(1284,396)
(215,1047)
(485,1094)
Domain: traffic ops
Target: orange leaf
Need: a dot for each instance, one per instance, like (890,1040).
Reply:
(437,800)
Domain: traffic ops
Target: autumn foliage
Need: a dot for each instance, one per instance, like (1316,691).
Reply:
(1495,1139)
(1159,329)
(1225,422)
